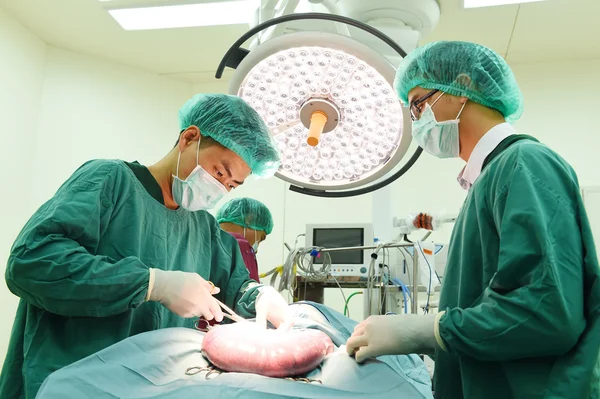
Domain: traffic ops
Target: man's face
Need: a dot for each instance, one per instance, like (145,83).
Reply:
(222,163)
(447,108)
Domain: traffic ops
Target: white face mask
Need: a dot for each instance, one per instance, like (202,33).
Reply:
(255,245)
(200,190)
(440,139)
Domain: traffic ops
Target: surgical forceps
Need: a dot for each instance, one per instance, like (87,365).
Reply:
(191,371)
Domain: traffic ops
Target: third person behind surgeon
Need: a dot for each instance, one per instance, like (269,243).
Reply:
(520,298)
(249,221)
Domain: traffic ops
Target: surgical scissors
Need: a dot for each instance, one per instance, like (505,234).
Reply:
(204,325)
(230,314)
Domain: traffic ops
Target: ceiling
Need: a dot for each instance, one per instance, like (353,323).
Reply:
(535,32)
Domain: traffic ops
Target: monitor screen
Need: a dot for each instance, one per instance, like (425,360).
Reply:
(338,238)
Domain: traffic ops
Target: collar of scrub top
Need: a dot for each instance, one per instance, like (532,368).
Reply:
(484,147)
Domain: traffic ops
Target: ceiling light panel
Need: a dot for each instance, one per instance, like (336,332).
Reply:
(489,3)
(185,15)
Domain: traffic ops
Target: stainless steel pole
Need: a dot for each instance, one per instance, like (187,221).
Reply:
(364,248)
(415,283)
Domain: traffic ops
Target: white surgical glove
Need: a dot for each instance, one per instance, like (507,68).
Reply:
(395,335)
(271,306)
(185,294)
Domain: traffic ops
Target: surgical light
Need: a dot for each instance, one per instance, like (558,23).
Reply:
(330,105)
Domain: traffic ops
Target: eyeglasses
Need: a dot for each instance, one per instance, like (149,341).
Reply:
(415,111)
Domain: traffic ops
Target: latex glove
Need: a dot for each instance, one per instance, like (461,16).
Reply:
(394,335)
(185,294)
(271,306)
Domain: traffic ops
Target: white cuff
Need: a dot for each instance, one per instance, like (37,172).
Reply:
(436,331)
(150,283)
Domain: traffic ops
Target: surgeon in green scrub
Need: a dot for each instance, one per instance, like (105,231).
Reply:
(122,248)
(520,300)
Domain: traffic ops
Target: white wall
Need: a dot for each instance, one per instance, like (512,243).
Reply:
(59,109)
(94,109)
(561,110)
(21,74)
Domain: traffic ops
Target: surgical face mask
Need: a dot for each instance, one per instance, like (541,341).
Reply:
(440,139)
(200,190)
(255,245)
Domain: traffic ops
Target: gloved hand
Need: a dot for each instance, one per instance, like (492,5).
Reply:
(394,335)
(185,294)
(271,306)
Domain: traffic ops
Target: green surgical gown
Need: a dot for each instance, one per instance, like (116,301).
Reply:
(80,266)
(521,288)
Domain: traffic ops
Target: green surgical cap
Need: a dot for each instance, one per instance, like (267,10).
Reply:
(462,69)
(235,125)
(246,212)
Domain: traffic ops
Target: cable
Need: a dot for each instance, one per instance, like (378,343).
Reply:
(348,300)
(275,270)
(370,275)
(382,281)
(426,310)
(341,290)
(404,252)
(303,259)
(296,240)
(385,299)
(386,262)
(298,259)
(405,291)
(384,248)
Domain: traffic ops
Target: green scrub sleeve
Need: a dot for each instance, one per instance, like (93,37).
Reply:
(533,306)
(246,304)
(51,264)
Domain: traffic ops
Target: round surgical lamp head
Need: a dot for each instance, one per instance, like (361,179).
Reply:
(329,103)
